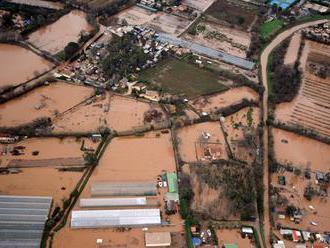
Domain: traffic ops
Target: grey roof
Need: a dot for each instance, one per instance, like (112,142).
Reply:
(123,189)
(113,202)
(209,52)
(22,220)
(111,218)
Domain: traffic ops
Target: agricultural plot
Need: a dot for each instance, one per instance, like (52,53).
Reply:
(109,111)
(216,102)
(54,37)
(45,101)
(167,23)
(96,4)
(238,13)
(241,133)
(135,15)
(180,77)
(293,149)
(46,179)
(201,142)
(18,64)
(232,236)
(315,212)
(199,5)
(221,37)
(271,27)
(310,108)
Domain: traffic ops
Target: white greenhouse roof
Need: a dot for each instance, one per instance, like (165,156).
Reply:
(113,202)
(110,218)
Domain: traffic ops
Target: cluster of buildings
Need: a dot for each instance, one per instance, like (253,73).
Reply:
(320,33)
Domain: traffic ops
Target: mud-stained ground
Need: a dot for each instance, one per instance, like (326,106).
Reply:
(222,100)
(45,101)
(232,236)
(112,111)
(300,151)
(54,37)
(135,16)
(18,64)
(292,51)
(193,146)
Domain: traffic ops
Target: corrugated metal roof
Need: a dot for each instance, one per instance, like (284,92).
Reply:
(22,220)
(110,218)
(112,202)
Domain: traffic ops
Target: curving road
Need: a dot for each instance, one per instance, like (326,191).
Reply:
(263,61)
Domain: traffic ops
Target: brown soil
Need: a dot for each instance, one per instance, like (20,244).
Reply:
(54,37)
(190,147)
(18,65)
(233,236)
(292,51)
(222,100)
(300,151)
(45,101)
(135,15)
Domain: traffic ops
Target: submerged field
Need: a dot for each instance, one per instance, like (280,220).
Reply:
(180,77)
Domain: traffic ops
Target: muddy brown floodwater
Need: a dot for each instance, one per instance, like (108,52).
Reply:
(18,64)
(45,101)
(54,37)
(290,148)
(222,100)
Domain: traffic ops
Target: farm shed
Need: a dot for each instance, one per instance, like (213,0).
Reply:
(123,189)
(172,180)
(157,239)
(115,218)
(22,220)
(113,202)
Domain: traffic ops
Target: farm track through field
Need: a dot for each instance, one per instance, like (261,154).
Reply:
(264,77)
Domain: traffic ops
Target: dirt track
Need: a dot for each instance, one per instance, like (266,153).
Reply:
(263,61)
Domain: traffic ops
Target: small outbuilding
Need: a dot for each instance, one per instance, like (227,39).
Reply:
(158,239)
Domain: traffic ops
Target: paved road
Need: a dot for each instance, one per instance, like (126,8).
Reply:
(263,61)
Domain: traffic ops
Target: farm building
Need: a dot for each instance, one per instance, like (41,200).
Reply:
(158,239)
(123,189)
(115,218)
(172,180)
(113,202)
(22,220)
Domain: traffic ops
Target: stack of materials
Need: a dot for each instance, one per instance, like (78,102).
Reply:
(22,220)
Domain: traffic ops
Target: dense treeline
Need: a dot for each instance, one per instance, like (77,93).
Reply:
(123,56)
(29,129)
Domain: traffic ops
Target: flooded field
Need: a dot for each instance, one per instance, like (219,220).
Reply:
(167,23)
(292,51)
(241,130)
(222,38)
(215,102)
(193,146)
(232,236)
(45,101)
(316,210)
(136,15)
(310,108)
(44,181)
(18,65)
(54,37)
(290,148)
(116,112)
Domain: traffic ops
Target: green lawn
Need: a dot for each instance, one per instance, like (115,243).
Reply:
(180,77)
(271,27)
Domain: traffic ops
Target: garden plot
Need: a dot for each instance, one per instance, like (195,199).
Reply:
(18,65)
(315,210)
(241,130)
(297,150)
(111,111)
(54,37)
(221,38)
(310,108)
(200,5)
(167,23)
(232,236)
(201,142)
(219,101)
(45,101)
(47,180)
(136,15)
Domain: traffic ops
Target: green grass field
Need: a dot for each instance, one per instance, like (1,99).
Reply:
(271,27)
(180,77)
